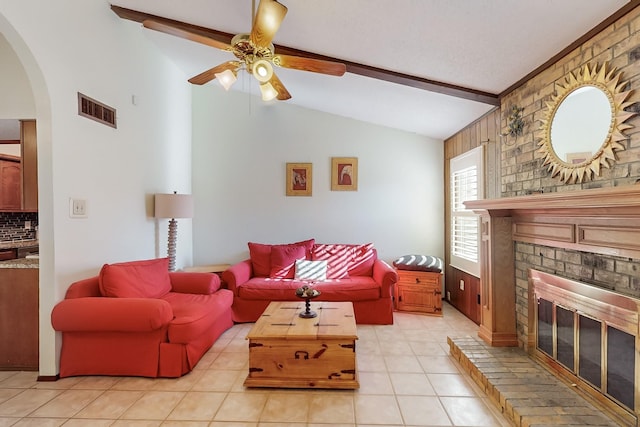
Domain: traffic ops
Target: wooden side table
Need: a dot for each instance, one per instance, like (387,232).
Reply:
(210,268)
(419,291)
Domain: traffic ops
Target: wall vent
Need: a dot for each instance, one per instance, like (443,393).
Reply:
(94,110)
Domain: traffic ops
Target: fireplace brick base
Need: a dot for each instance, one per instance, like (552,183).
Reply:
(525,392)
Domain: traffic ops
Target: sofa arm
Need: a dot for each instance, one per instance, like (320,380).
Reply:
(194,283)
(111,314)
(386,276)
(237,274)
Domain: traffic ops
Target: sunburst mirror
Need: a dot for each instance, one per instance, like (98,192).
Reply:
(584,124)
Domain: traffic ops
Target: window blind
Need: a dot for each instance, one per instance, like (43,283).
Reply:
(466,184)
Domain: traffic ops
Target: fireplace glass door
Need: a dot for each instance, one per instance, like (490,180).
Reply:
(576,341)
(620,366)
(566,337)
(590,352)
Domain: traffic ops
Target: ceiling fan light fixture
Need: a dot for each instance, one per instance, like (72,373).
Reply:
(227,78)
(262,70)
(268,91)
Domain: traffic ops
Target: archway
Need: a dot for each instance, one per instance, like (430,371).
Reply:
(49,342)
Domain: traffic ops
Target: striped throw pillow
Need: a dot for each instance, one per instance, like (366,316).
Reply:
(310,270)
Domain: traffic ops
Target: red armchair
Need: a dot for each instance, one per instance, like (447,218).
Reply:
(138,319)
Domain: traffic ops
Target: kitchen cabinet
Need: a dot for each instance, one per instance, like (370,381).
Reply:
(19,318)
(19,175)
(10,183)
(29,165)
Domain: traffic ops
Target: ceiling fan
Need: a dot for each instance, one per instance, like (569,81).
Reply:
(254,52)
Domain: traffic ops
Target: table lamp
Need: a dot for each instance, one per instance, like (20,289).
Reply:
(173,206)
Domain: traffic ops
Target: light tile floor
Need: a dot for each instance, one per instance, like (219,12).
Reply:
(407,378)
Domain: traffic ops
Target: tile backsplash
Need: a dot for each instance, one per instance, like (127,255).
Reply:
(12,226)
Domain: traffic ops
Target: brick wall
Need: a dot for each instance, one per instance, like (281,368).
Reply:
(521,170)
(12,226)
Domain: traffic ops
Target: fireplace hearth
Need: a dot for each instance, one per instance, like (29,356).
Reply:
(588,336)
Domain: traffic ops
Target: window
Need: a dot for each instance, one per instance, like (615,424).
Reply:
(467,183)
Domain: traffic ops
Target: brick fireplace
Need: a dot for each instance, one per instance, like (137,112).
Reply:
(580,235)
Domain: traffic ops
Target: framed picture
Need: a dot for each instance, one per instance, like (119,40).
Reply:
(344,174)
(299,179)
(576,158)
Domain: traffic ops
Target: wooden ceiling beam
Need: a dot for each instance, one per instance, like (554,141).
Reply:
(352,67)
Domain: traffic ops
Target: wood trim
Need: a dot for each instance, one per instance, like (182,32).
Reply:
(9,141)
(574,202)
(603,220)
(352,67)
(554,232)
(613,237)
(48,378)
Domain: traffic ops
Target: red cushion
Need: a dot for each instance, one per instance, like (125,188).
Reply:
(260,255)
(351,289)
(338,258)
(136,279)
(363,258)
(283,260)
(260,259)
(419,263)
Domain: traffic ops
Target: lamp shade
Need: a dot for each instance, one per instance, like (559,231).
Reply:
(227,78)
(174,206)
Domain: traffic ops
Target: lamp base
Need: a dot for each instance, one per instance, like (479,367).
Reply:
(171,243)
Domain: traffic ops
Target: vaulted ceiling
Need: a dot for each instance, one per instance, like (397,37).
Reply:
(424,66)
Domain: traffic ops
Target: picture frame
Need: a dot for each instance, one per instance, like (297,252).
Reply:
(344,174)
(299,179)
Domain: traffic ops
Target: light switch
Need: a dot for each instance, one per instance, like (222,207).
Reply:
(77,208)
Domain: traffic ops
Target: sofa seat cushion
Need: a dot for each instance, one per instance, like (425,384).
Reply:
(357,288)
(194,314)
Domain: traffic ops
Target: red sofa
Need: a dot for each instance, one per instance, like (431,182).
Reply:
(137,319)
(354,273)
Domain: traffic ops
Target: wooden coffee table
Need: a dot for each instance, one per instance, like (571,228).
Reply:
(286,350)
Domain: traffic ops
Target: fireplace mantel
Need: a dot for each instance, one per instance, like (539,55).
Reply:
(601,220)
(595,199)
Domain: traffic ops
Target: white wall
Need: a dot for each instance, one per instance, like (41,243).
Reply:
(16,101)
(72,46)
(241,147)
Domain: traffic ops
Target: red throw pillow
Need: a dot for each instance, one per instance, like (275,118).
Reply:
(283,260)
(260,259)
(363,259)
(135,279)
(338,258)
(260,255)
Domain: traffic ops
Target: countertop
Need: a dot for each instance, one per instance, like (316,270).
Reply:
(13,244)
(20,263)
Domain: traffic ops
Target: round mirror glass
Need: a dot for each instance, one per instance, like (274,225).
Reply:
(581,124)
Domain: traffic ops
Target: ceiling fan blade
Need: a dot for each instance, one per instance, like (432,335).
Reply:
(310,64)
(267,21)
(178,32)
(283,93)
(207,76)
